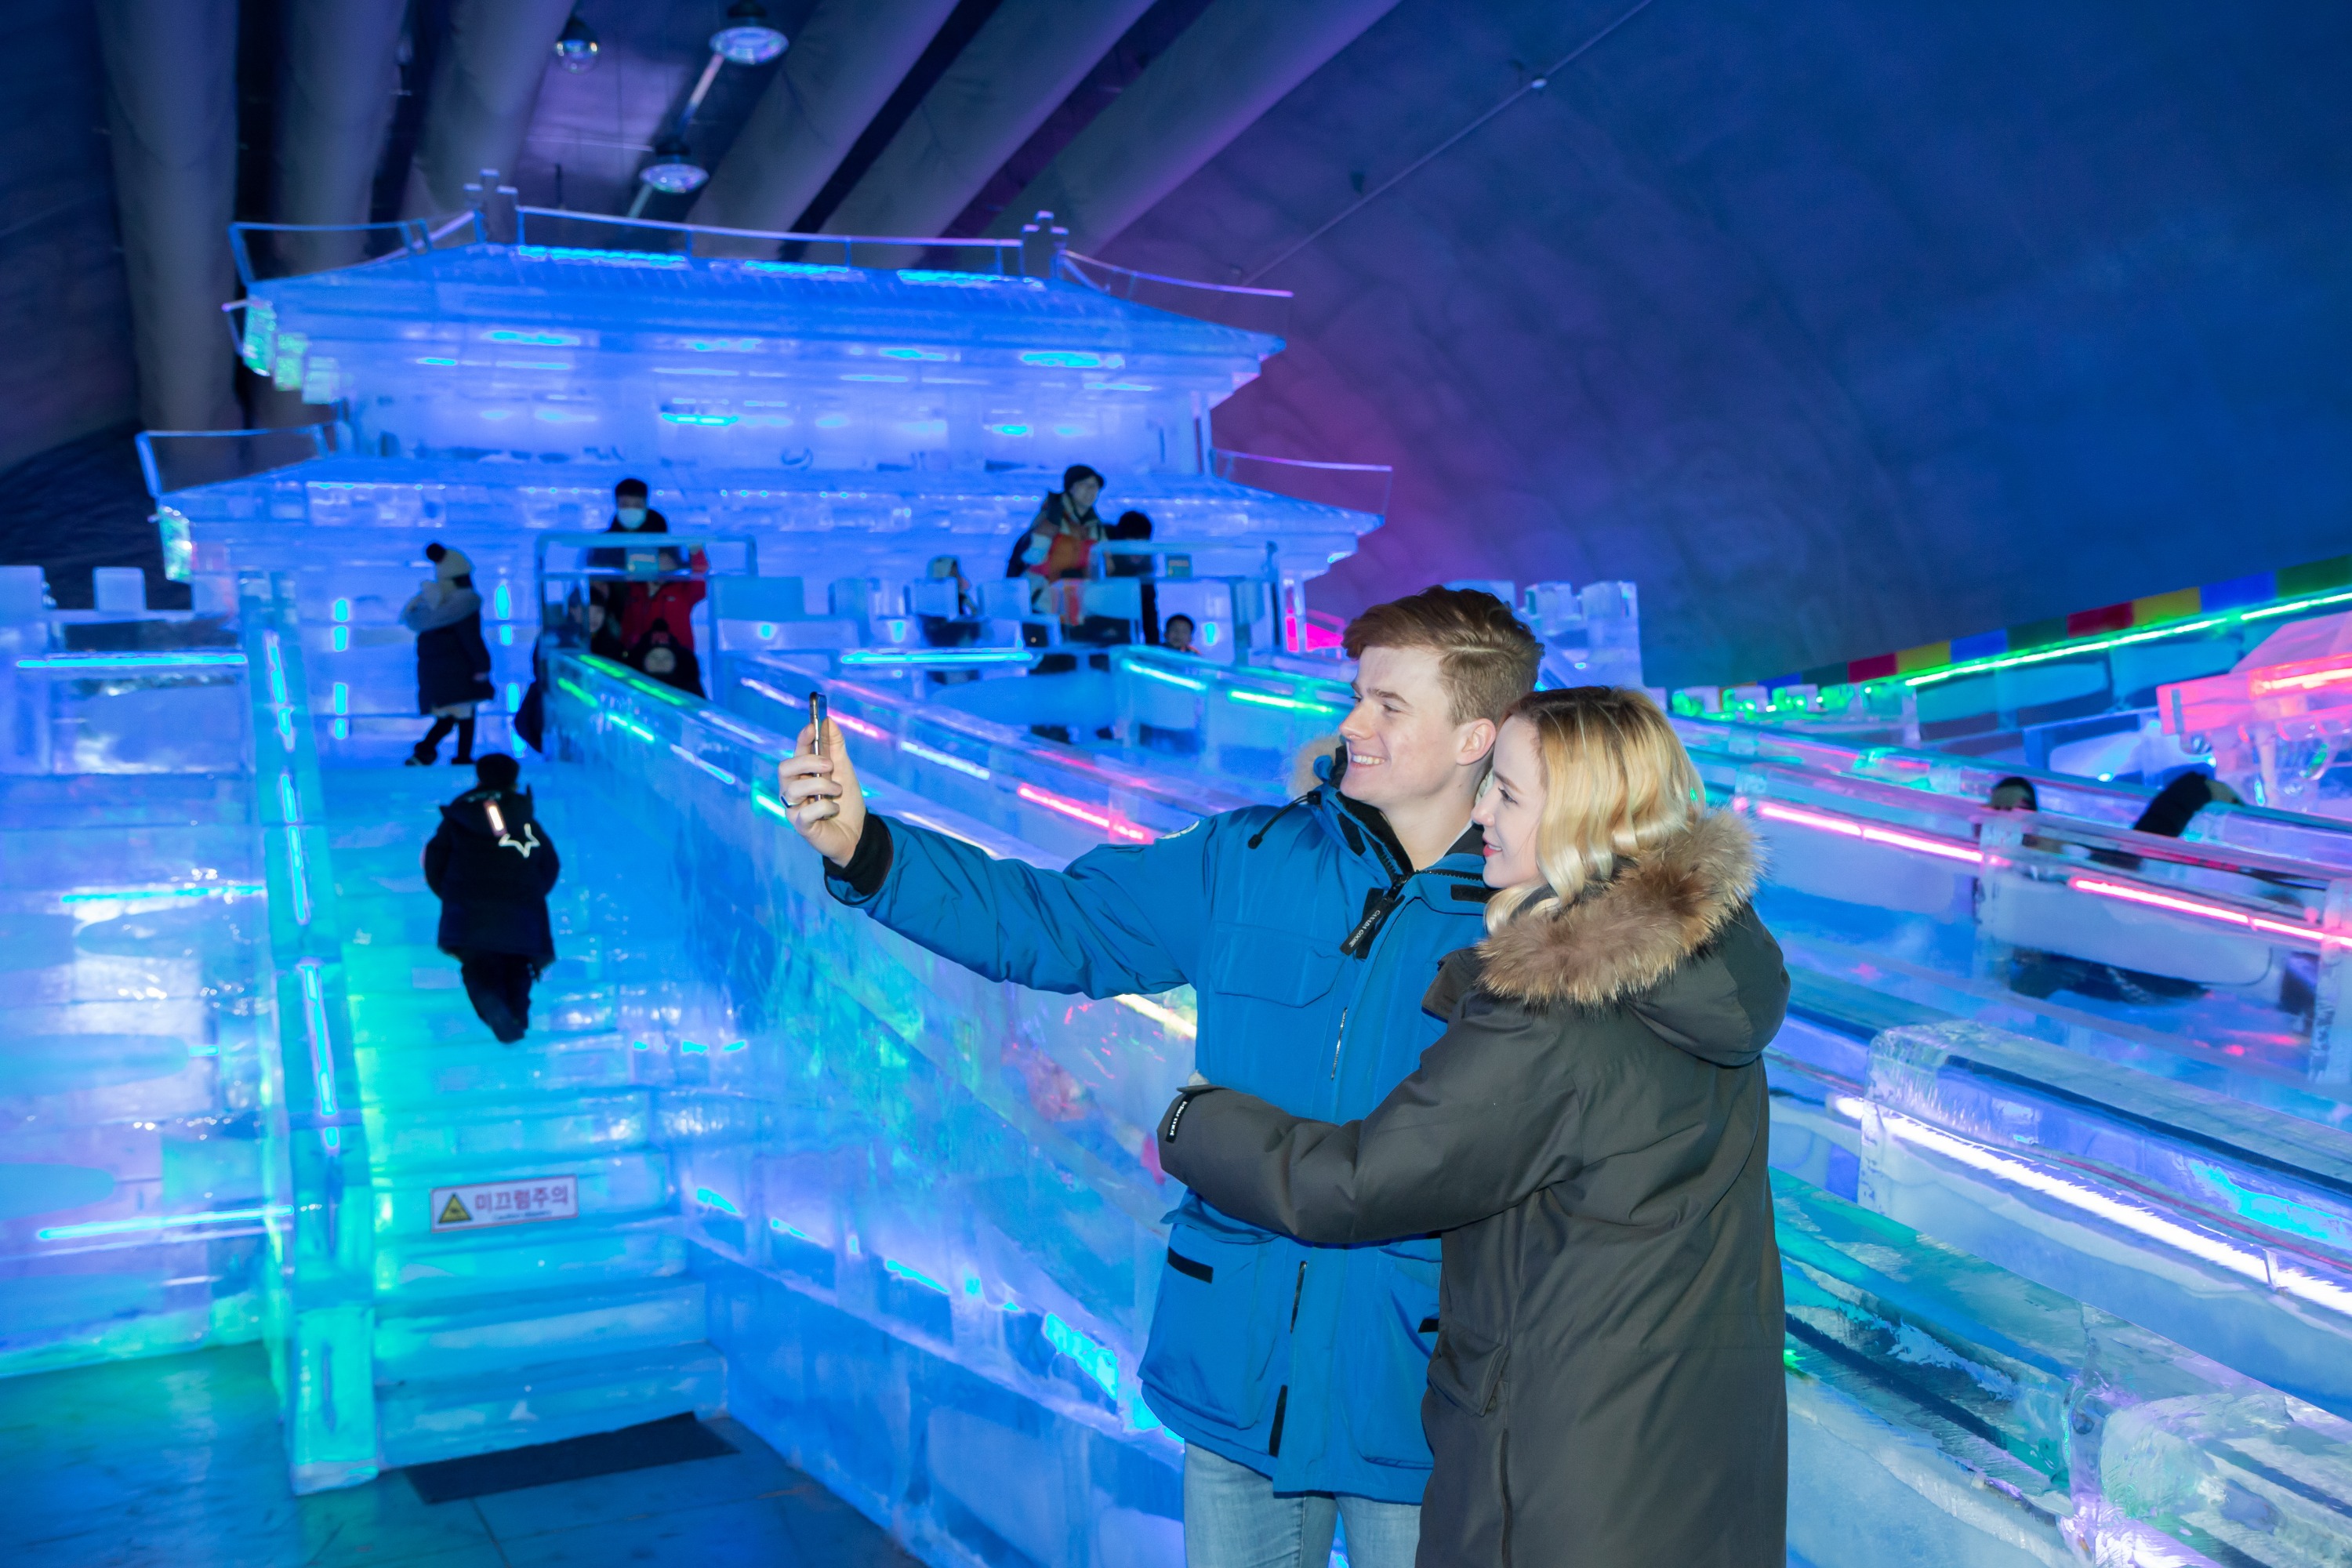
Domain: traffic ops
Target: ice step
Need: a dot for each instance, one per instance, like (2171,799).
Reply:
(416,1075)
(424,1018)
(414,1266)
(495,1335)
(498,1131)
(423,1420)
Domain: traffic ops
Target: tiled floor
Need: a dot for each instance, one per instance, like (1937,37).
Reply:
(177,1461)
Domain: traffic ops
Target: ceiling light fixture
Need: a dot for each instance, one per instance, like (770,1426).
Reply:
(672,170)
(749,38)
(575,46)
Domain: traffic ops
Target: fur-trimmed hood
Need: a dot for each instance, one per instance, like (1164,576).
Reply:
(1623,940)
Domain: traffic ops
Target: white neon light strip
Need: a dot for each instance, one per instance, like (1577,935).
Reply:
(917,749)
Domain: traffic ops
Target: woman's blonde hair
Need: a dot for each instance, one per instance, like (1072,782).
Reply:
(1616,784)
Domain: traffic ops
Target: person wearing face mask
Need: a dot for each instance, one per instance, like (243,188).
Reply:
(1589,1137)
(1309,933)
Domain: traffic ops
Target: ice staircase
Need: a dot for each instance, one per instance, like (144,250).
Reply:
(508,1335)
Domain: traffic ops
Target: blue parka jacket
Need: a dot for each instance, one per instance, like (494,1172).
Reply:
(1309,942)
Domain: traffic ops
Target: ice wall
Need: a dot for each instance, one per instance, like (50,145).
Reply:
(132,1033)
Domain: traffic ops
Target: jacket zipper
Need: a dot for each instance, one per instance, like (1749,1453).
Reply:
(1336,1041)
(1282,1396)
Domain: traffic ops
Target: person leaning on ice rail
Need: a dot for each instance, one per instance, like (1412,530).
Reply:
(1309,933)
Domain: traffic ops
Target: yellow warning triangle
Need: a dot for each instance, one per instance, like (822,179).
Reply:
(454,1213)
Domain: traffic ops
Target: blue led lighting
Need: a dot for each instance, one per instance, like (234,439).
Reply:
(342,698)
(1095,1360)
(1067,359)
(547,340)
(190,658)
(911,1275)
(934,658)
(1145,671)
(704,1195)
(204,890)
(715,420)
(342,609)
(501,602)
(340,639)
(161,1222)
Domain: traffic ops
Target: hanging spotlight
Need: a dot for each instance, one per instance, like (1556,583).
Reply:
(749,38)
(575,46)
(672,169)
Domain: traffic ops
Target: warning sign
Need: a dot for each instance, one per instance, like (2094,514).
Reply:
(510,1201)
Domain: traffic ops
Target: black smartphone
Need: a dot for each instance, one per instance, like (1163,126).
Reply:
(816,721)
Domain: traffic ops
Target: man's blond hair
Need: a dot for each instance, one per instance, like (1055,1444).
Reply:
(1486,659)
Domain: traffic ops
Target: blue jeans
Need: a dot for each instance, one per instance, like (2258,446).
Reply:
(1233,1520)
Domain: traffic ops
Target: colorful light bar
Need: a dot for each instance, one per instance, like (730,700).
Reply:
(722,775)
(202,891)
(1137,667)
(934,658)
(917,749)
(189,659)
(1870,832)
(161,1222)
(2198,908)
(1103,819)
(1166,1017)
(1267,699)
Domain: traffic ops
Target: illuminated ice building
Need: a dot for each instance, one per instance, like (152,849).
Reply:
(2062,1115)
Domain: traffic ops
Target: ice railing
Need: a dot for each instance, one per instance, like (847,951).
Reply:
(948,1170)
(181,459)
(320,1321)
(2225,1225)
(2217,965)
(2319,840)
(1251,310)
(131,917)
(267,250)
(911,1167)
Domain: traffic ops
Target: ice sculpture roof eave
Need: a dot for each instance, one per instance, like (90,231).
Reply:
(517,283)
(738,487)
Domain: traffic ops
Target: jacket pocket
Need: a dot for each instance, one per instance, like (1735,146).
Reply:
(1467,1369)
(1271,965)
(1218,1322)
(1390,1331)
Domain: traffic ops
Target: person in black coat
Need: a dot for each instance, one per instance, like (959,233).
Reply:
(661,655)
(453,662)
(492,866)
(1589,1139)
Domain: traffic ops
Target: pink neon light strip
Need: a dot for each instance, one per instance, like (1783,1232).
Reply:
(1895,838)
(1105,821)
(2304,682)
(2196,907)
(860,726)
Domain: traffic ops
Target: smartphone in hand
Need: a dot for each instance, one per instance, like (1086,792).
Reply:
(816,721)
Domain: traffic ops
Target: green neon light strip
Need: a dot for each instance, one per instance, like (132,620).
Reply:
(637,682)
(2100,645)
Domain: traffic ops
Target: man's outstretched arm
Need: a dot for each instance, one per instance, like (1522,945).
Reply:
(1122,919)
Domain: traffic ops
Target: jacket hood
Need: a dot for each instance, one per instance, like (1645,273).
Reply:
(470,812)
(1627,942)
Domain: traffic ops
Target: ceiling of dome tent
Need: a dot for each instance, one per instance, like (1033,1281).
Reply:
(1838,329)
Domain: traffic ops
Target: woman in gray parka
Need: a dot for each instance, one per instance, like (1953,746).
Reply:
(1589,1137)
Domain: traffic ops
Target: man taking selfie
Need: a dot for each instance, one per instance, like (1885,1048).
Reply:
(1310,933)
